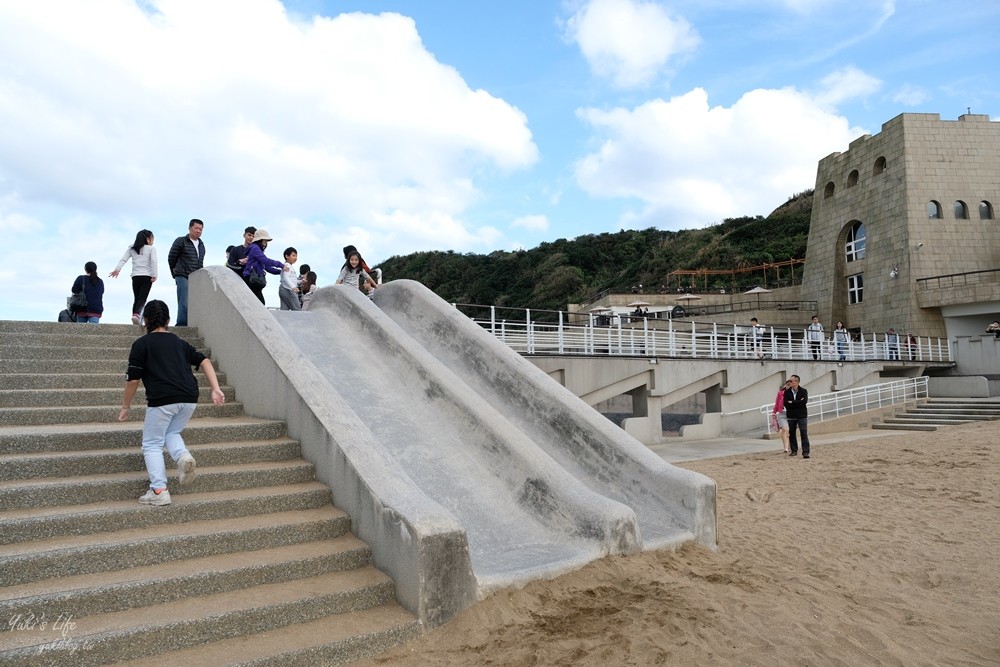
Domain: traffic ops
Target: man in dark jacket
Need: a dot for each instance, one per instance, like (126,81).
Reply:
(796,398)
(187,255)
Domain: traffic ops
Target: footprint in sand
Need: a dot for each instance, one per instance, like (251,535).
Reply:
(758,496)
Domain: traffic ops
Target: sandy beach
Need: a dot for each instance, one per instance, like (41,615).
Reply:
(884,551)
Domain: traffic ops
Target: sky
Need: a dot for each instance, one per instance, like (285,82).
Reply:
(404,126)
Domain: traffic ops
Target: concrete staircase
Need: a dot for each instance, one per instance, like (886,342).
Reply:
(251,564)
(934,412)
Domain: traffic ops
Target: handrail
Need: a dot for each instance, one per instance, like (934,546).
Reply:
(959,279)
(588,334)
(861,399)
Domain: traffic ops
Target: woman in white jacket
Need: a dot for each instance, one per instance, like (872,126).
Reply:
(143,257)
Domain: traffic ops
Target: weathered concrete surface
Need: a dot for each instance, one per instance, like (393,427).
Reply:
(414,539)
(463,477)
(672,505)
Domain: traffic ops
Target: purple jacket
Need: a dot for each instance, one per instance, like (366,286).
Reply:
(259,262)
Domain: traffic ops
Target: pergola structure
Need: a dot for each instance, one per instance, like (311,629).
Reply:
(688,279)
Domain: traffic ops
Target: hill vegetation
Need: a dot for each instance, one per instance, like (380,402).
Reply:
(569,271)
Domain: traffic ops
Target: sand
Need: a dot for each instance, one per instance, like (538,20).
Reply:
(877,552)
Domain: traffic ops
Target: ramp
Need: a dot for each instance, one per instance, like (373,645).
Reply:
(465,467)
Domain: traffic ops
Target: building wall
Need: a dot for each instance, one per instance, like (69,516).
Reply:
(925,159)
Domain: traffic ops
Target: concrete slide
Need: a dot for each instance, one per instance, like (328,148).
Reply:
(467,463)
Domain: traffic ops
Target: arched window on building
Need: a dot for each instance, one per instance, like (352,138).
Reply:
(856,288)
(828,191)
(961,210)
(879,166)
(857,240)
(852,179)
(985,210)
(933,210)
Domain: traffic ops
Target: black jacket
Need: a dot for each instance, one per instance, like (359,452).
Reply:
(796,408)
(182,258)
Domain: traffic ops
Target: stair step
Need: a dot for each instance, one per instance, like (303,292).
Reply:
(80,436)
(335,640)
(104,517)
(50,397)
(904,427)
(70,340)
(26,494)
(147,585)
(100,413)
(49,380)
(42,465)
(131,634)
(65,556)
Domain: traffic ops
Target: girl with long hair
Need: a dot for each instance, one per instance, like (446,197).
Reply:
(93,288)
(143,257)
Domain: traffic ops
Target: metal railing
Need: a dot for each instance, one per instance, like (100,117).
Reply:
(825,407)
(562,333)
(988,276)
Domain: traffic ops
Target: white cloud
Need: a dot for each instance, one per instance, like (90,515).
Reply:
(629,41)
(689,164)
(910,95)
(845,84)
(535,223)
(232,109)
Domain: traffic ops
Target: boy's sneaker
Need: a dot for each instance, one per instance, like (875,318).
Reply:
(135,318)
(186,468)
(153,498)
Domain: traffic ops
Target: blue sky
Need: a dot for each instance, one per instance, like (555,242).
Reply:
(432,125)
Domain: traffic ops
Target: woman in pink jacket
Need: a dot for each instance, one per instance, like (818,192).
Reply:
(778,418)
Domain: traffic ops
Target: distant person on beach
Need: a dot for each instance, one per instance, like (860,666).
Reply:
(353,272)
(307,288)
(144,269)
(841,337)
(814,332)
(258,264)
(92,287)
(163,363)
(797,415)
(187,255)
(779,417)
(288,290)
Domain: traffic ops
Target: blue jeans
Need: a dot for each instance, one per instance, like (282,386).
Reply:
(163,427)
(92,319)
(182,301)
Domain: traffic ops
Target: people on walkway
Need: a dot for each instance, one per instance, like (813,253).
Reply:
(258,264)
(841,337)
(288,290)
(892,343)
(757,337)
(352,273)
(236,259)
(92,287)
(187,255)
(779,417)
(994,328)
(163,363)
(797,415)
(911,345)
(144,269)
(814,332)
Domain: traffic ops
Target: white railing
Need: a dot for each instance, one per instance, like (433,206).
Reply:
(563,333)
(825,407)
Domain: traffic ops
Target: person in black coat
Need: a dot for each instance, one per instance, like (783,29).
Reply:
(796,398)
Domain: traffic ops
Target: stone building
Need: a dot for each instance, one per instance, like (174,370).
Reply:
(904,232)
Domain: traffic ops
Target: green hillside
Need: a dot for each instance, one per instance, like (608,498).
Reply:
(569,271)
